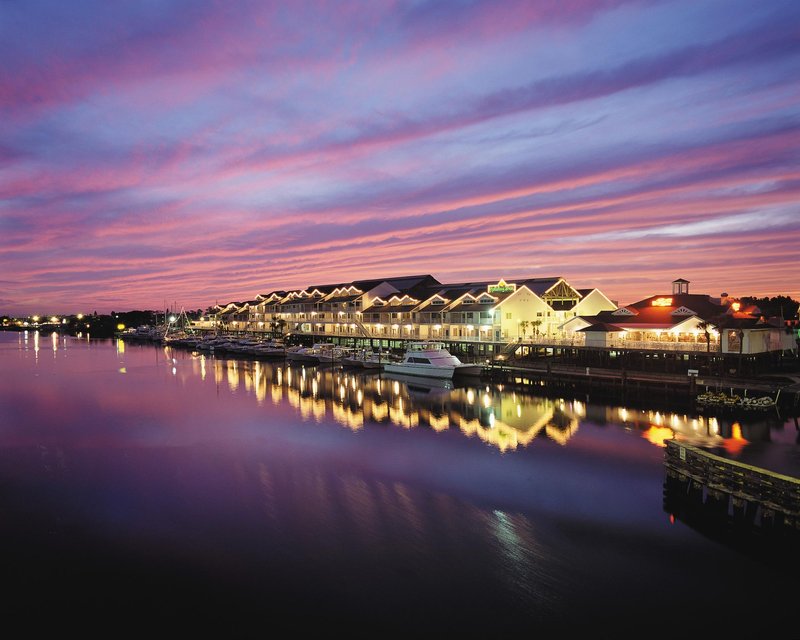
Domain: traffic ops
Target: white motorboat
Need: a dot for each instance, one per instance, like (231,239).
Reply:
(432,360)
(271,349)
(318,353)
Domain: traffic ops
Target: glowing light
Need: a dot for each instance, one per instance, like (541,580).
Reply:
(736,306)
(662,302)
(736,442)
(172,319)
(470,396)
(120,327)
(80,316)
(658,435)
(53,319)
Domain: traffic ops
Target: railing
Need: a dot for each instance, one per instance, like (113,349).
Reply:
(575,340)
(662,346)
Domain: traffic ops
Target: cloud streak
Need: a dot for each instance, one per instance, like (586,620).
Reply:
(197,152)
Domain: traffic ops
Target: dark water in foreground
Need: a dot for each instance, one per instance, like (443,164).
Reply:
(145,487)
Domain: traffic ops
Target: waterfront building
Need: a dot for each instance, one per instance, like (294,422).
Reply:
(681,321)
(417,307)
(541,312)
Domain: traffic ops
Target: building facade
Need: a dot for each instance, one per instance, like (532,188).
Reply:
(534,311)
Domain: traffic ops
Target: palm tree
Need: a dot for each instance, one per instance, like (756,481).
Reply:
(523,325)
(277,325)
(536,324)
(740,335)
(706,328)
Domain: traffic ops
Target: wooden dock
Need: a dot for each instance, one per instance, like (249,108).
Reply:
(621,381)
(733,497)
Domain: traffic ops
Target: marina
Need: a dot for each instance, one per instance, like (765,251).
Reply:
(415,317)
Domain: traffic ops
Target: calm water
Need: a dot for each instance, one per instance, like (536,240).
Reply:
(141,483)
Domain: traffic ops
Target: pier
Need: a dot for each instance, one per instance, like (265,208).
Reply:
(733,501)
(624,382)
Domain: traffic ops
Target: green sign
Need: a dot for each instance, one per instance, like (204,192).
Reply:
(501,288)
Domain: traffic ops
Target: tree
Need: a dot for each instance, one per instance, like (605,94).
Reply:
(706,328)
(277,325)
(523,325)
(740,335)
(777,306)
(536,324)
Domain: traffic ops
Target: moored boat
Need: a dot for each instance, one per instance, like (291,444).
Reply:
(318,353)
(364,359)
(433,360)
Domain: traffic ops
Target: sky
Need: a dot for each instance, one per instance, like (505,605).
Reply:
(188,152)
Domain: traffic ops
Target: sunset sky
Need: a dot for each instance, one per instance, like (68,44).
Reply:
(201,152)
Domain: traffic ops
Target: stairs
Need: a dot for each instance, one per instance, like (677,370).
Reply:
(509,350)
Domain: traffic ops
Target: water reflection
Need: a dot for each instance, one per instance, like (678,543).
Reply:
(503,418)
(203,466)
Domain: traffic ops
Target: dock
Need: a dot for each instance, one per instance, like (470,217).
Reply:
(634,382)
(736,501)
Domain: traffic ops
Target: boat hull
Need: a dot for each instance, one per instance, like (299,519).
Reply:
(302,358)
(469,370)
(426,371)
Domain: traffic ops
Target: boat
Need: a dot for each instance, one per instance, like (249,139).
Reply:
(271,349)
(431,359)
(364,359)
(318,353)
(143,333)
(720,399)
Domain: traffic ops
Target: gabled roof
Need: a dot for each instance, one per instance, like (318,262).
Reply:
(540,285)
(399,282)
(703,305)
(603,327)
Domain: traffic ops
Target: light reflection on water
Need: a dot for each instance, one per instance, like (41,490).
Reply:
(368,497)
(503,418)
